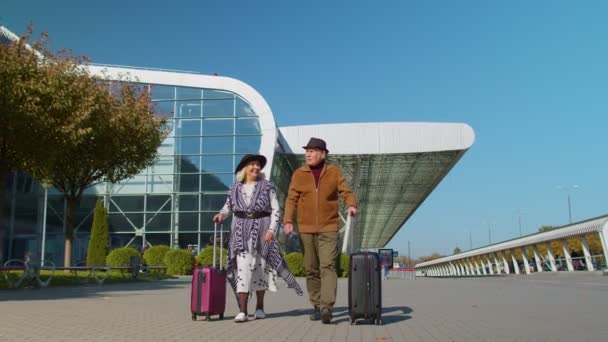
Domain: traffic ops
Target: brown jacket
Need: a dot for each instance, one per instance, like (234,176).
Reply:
(317,208)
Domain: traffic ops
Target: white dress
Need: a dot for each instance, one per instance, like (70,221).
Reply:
(252,273)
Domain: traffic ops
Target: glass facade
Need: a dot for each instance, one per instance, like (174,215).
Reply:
(171,202)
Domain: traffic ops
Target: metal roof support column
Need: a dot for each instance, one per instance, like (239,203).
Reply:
(497,264)
(505,263)
(471,267)
(551,258)
(460,269)
(468,269)
(587,254)
(524,258)
(539,265)
(490,266)
(514,261)
(477,270)
(483,266)
(567,255)
(454,270)
(446,271)
(604,239)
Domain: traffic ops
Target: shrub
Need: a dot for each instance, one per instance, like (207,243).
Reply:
(121,256)
(295,262)
(179,261)
(155,255)
(344,265)
(205,258)
(99,242)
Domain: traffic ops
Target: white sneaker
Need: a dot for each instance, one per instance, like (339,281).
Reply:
(240,318)
(259,314)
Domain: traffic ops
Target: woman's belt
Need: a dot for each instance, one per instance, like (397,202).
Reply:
(251,215)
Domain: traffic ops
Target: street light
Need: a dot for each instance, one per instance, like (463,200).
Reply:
(470,238)
(46,187)
(519,214)
(409,256)
(568,189)
(484,222)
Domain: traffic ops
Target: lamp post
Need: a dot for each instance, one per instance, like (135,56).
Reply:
(487,223)
(409,256)
(470,238)
(568,189)
(46,187)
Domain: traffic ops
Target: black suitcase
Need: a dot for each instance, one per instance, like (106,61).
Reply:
(365,288)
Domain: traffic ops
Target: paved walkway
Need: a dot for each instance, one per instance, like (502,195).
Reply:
(543,307)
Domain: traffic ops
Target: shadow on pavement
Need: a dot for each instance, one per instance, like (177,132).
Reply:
(90,291)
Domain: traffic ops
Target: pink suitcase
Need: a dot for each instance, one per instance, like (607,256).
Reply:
(208,294)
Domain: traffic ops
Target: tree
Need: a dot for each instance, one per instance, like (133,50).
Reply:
(99,242)
(87,130)
(457,250)
(35,89)
(121,138)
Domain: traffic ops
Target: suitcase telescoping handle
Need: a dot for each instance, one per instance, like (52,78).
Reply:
(346,234)
(221,243)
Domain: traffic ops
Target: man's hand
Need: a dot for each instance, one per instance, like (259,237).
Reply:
(218,218)
(269,236)
(352,211)
(288,228)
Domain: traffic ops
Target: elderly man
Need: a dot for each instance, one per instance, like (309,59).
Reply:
(313,195)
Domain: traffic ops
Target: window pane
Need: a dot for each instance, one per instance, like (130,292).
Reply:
(188,203)
(188,221)
(156,203)
(189,164)
(248,144)
(188,109)
(217,94)
(218,127)
(165,108)
(213,202)
(217,144)
(159,222)
(217,163)
(119,223)
(188,127)
(217,182)
(188,145)
(156,239)
(188,240)
(126,203)
(243,108)
(162,92)
(184,93)
(248,126)
(213,108)
(188,183)
(160,183)
(162,166)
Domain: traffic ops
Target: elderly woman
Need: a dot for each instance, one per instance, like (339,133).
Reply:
(254,256)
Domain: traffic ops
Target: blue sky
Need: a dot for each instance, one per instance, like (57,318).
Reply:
(530,78)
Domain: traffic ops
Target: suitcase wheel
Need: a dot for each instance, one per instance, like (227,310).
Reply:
(194,317)
(353,321)
(221,316)
(378,322)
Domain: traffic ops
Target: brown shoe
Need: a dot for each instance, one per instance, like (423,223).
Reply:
(326,315)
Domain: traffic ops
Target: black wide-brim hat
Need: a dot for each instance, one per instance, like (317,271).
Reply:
(316,143)
(248,158)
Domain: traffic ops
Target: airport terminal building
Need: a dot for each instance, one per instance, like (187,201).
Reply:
(215,120)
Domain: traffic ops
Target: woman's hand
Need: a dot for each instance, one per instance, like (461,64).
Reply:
(218,218)
(269,236)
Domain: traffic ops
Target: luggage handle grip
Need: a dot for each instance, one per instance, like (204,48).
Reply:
(346,233)
(215,243)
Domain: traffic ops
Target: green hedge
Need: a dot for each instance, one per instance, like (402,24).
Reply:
(205,258)
(295,262)
(99,242)
(344,265)
(179,261)
(155,255)
(121,256)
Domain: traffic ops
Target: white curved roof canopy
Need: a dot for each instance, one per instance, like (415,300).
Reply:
(594,225)
(392,167)
(185,79)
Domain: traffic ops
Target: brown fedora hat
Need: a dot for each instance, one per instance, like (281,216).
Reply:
(316,143)
(249,158)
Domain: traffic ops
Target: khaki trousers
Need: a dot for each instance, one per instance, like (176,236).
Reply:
(320,251)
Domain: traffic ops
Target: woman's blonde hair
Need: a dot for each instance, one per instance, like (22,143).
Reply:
(240,176)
